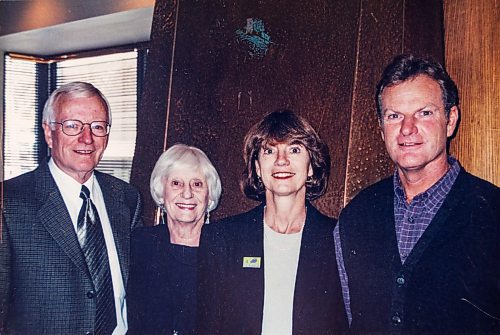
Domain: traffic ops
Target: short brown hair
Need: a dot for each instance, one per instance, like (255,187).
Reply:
(285,126)
(408,67)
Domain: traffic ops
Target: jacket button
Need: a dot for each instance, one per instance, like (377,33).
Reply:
(400,280)
(89,333)
(90,294)
(396,319)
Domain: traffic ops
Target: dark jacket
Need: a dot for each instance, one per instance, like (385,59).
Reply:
(450,281)
(161,295)
(45,279)
(231,298)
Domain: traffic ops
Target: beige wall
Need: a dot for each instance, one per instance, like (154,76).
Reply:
(23,15)
(471,48)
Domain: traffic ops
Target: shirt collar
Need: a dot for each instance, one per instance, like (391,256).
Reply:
(444,183)
(71,186)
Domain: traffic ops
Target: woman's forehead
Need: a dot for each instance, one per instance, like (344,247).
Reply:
(275,142)
(185,169)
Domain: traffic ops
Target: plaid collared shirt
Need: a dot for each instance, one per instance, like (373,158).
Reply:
(411,220)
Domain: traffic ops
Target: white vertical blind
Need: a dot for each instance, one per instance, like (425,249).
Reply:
(21,132)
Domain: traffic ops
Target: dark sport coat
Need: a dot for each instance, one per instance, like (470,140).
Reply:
(44,280)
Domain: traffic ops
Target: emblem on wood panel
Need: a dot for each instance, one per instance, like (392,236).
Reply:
(254,37)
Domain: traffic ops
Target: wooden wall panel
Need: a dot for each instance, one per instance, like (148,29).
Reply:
(323,61)
(423,29)
(387,28)
(152,112)
(367,161)
(221,89)
(472,38)
(328,97)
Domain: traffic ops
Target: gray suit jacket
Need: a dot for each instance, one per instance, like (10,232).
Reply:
(44,279)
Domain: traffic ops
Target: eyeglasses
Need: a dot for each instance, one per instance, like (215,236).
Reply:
(75,127)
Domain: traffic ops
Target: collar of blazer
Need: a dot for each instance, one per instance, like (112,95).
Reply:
(53,214)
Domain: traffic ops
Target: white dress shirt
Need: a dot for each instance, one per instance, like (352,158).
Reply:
(70,191)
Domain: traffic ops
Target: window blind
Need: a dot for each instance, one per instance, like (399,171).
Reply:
(21,126)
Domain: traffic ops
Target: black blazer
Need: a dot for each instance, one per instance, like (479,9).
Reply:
(161,294)
(231,298)
(44,278)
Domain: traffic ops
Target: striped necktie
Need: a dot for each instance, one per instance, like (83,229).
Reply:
(92,241)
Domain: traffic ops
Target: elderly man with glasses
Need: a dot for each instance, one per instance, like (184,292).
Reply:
(64,251)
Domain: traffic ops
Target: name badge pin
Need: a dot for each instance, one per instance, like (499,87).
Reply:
(251,262)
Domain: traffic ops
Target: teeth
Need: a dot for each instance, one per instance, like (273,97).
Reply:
(282,174)
(186,206)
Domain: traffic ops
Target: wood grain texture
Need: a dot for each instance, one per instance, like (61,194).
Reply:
(423,26)
(387,28)
(152,112)
(471,42)
(380,37)
(220,89)
(324,61)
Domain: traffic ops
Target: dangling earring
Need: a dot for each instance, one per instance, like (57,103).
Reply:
(207,218)
(159,214)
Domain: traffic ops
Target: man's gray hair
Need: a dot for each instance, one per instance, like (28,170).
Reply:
(72,90)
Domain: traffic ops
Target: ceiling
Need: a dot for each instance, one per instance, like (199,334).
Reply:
(125,27)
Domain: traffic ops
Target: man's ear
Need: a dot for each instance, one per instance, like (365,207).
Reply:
(381,129)
(452,121)
(47,131)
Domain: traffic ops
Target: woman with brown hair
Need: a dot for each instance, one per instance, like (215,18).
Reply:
(273,270)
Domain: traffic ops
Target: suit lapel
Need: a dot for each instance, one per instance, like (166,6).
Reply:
(54,215)
(306,268)
(255,245)
(248,283)
(119,219)
(386,215)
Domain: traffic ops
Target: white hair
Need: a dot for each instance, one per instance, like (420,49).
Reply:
(72,90)
(185,156)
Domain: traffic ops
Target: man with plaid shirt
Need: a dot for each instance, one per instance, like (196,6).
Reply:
(418,252)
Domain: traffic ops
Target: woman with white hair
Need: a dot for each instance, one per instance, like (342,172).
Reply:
(161,295)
